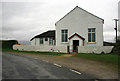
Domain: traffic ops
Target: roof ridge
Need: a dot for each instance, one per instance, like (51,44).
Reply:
(49,33)
(77,35)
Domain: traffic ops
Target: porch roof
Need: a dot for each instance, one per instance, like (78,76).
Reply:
(77,36)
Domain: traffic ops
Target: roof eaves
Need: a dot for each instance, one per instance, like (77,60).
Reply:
(37,36)
(92,14)
(76,35)
(31,39)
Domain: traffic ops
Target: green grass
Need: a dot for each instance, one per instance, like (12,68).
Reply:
(31,52)
(109,58)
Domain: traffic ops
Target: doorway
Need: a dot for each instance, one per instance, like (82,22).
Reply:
(75,45)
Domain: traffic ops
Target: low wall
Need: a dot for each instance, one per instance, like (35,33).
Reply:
(41,48)
(81,49)
(95,49)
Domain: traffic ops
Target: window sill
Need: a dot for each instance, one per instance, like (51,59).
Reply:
(64,42)
(41,44)
(91,42)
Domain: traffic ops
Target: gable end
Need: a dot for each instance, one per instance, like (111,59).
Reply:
(83,10)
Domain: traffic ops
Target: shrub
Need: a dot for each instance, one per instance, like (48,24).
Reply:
(7,44)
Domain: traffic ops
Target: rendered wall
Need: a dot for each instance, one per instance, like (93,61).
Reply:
(41,48)
(78,21)
(81,49)
(94,49)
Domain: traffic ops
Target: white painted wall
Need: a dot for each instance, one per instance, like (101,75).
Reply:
(81,49)
(33,42)
(78,21)
(43,48)
(94,49)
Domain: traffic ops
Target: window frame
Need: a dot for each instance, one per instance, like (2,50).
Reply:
(41,39)
(50,41)
(91,33)
(64,35)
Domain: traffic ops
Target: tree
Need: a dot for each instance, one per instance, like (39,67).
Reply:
(7,44)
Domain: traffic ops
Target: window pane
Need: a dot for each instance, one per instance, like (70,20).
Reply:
(66,31)
(65,37)
(50,41)
(89,37)
(62,31)
(62,38)
(93,29)
(89,30)
(93,37)
(41,40)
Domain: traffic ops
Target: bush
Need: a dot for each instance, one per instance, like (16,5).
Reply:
(116,48)
(7,44)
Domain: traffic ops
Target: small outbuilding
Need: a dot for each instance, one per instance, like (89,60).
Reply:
(46,38)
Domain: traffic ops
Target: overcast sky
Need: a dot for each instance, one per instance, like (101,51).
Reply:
(23,19)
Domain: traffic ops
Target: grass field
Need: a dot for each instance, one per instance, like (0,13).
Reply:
(109,58)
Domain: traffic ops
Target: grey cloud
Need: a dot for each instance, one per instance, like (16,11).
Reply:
(23,20)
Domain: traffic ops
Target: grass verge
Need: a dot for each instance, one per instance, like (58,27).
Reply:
(108,58)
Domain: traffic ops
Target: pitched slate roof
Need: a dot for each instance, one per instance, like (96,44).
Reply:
(50,33)
(76,35)
(83,10)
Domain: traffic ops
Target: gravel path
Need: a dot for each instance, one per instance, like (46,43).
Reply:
(101,70)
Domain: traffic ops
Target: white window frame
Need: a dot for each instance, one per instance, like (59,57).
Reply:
(41,39)
(64,34)
(91,32)
(50,41)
